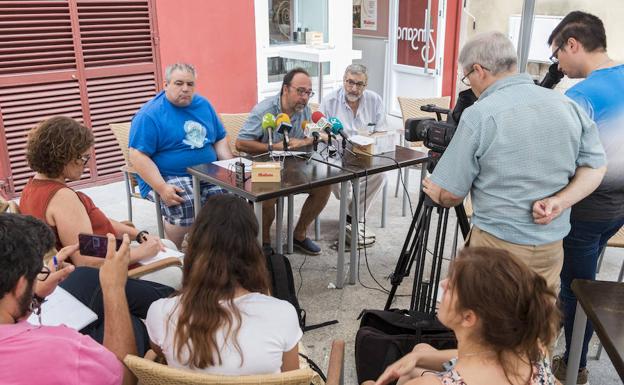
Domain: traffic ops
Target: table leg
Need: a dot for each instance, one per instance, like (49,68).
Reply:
(355,231)
(342,224)
(289,225)
(578,332)
(196,196)
(279,242)
(258,212)
(384,204)
(405,191)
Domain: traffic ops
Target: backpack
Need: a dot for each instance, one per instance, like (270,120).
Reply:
(386,336)
(283,287)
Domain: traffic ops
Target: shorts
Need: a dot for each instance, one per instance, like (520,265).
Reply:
(184,213)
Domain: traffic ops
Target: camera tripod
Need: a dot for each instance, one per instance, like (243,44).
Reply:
(424,291)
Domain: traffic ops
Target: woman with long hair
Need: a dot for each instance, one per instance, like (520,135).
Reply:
(223,321)
(504,317)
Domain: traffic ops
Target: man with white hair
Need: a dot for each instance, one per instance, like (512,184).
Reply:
(360,111)
(525,154)
(171,132)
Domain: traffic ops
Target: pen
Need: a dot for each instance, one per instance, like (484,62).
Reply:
(56,264)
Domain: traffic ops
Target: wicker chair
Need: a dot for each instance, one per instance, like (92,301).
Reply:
(8,206)
(233,124)
(149,372)
(122,131)
(410,108)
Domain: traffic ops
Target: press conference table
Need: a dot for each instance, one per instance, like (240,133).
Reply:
(300,174)
(603,303)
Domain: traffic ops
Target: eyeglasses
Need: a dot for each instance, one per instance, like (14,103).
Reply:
(465,79)
(351,83)
(303,91)
(555,55)
(43,274)
(85,158)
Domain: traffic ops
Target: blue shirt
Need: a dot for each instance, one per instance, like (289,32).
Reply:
(517,144)
(252,128)
(369,116)
(601,95)
(175,138)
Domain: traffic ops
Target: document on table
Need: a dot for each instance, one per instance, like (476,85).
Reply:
(287,153)
(229,163)
(162,255)
(62,308)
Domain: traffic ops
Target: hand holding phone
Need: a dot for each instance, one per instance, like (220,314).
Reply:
(95,245)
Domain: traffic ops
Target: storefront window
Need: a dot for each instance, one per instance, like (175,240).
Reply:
(289,20)
(278,66)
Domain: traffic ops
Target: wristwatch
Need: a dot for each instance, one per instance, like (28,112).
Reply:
(141,236)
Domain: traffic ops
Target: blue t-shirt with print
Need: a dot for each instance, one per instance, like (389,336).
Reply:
(601,95)
(175,138)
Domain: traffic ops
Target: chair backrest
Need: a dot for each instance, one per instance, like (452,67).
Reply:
(410,108)
(233,124)
(122,132)
(152,373)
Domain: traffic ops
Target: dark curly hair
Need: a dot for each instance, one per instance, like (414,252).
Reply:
(24,240)
(55,142)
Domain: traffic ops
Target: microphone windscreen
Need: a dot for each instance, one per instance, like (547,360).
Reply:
(282,118)
(316,116)
(268,121)
(336,124)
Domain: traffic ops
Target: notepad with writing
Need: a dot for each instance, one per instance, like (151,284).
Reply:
(162,255)
(62,308)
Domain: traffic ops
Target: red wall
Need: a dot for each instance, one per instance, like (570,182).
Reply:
(219,39)
(451,49)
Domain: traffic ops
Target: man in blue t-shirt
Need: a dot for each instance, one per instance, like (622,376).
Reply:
(171,132)
(579,45)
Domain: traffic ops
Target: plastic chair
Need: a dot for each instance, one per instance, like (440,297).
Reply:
(149,372)
(122,131)
(410,108)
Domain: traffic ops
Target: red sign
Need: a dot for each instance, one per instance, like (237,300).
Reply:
(411,33)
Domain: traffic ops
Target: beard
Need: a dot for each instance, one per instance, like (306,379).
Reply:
(24,301)
(353,98)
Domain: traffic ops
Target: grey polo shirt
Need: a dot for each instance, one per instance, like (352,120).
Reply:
(252,128)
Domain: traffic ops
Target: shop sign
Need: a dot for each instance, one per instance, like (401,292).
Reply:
(411,33)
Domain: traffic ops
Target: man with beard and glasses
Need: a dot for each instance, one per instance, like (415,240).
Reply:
(360,111)
(293,101)
(42,355)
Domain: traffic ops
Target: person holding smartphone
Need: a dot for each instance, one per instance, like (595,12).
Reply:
(59,149)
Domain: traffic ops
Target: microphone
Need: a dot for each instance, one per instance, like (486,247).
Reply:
(283,127)
(321,121)
(268,124)
(314,131)
(338,128)
(552,77)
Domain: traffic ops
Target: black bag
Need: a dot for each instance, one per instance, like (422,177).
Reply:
(283,287)
(386,336)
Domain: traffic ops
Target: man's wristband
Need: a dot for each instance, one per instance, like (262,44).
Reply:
(141,236)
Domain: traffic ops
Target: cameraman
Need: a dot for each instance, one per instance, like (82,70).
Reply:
(579,46)
(524,152)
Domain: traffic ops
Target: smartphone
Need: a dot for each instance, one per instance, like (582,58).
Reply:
(95,245)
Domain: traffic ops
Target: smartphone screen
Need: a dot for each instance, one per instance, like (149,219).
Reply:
(95,245)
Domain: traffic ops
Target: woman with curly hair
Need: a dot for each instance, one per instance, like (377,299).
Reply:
(58,149)
(222,321)
(503,315)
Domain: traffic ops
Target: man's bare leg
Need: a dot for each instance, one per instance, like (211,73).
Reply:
(268,216)
(312,207)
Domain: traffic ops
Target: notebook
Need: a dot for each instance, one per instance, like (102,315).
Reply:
(162,255)
(62,308)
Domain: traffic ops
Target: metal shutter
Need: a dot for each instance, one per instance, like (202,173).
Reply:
(92,60)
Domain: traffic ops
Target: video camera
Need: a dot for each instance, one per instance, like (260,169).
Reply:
(436,134)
